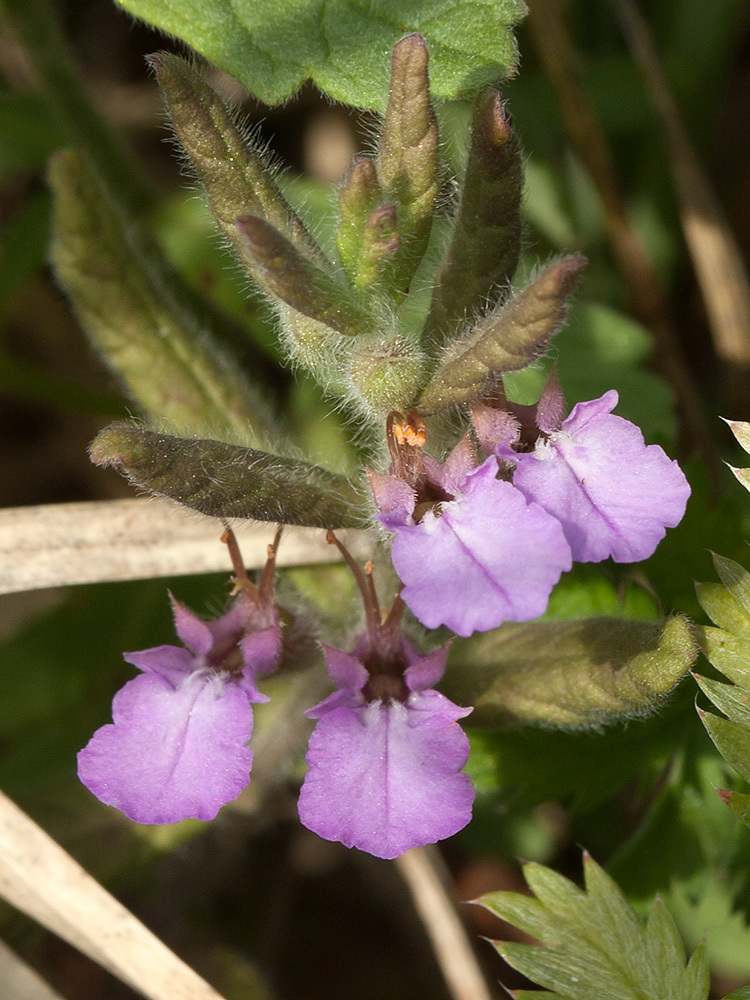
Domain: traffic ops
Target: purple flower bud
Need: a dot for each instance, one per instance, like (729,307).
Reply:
(177,745)
(386,755)
(613,494)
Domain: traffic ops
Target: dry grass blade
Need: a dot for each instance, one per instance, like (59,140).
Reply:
(19,981)
(38,877)
(61,544)
(645,293)
(716,257)
(423,871)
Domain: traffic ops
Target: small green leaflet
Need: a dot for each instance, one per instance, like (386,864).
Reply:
(728,647)
(273,46)
(593,944)
(741,431)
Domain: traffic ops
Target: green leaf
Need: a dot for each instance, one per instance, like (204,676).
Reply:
(743,993)
(225,480)
(159,348)
(728,648)
(738,802)
(593,944)
(273,46)
(569,674)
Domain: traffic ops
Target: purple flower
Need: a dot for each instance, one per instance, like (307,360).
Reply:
(613,494)
(471,550)
(177,746)
(386,755)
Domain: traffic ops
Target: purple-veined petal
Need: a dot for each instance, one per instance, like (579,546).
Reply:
(613,494)
(489,557)
(386,777)
(171,753)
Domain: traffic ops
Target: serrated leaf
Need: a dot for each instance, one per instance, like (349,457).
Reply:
(722,609)
(738,802)
(592,943)
(728,648)
(569,674)
(272,47)
(736,580)
(732,740)
(741,431)
(225,480)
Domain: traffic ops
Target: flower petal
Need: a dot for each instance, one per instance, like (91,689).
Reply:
(613,494)
(488,558)
(386,777)
(192,630)
(173,663)
(171,753)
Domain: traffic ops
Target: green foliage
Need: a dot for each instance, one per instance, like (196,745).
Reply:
(484,249)
(569,674)
(155,343)
(505,340)
(728,648)
(225,480)
(273,47)
(593,944)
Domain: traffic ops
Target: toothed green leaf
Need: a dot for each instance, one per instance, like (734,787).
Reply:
(728,648)
(592,943)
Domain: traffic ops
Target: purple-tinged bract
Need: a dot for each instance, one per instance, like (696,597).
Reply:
(386,755)
(613,494)
(177,746)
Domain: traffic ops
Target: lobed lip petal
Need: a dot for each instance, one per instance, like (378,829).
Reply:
(386,777)
(613,494)
(171,753)
(489,557)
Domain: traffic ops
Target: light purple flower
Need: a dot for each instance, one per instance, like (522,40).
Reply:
(177,746)
(386,755)
(470,549)
(613,494)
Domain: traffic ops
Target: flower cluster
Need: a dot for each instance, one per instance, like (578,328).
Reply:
(384,760)
(480,541)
